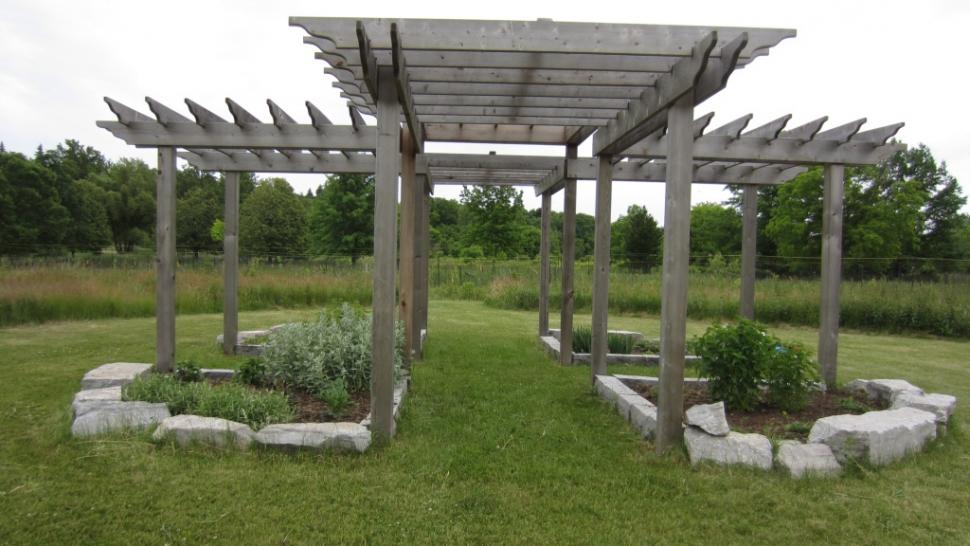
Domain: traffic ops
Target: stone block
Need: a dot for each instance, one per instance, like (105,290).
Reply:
(113,375)
(644,419)
(319,436)
(708,417)
(807,459)
(940,405)
(753,450)
(879,437)
(99,417)
(189,429)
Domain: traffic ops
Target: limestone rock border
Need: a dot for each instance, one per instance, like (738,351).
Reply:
(553,348)
(914,419)
(99,409)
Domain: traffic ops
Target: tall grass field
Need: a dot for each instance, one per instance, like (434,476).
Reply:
(51,291)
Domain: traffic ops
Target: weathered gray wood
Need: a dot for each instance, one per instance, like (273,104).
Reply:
(536,36)
(817,151)
(545,245)
(514,120)
(749,248)
(357,122)
(385,249)
(676,263)
(165,261)
(402,78)
(534,76)
(878,135)
(421,262)
(537,89)
(628,127)
(514,111)
(511,101)
(806,131)
(489,133)
(410,195)
(230,264)
(842,133)
(486,162)
(732,129)
(368,62)
(203,116)
(769,130)
(568,266)
(601,266)
(241,116)
(828,331)
(229,135)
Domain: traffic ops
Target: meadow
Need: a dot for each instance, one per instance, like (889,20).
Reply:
(42,291)
(497,444)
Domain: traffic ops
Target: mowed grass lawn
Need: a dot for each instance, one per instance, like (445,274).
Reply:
(497,444)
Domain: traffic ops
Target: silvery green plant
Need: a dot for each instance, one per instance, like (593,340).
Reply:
(335,347)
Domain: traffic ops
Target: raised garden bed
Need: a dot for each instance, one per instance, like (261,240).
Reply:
(642,352)
(875,421)
(99,408)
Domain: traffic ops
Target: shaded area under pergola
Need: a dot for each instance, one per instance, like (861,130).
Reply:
(633,88)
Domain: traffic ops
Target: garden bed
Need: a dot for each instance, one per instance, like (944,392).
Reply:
(625,347)
(774,422)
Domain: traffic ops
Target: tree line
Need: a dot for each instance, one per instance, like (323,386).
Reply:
(902,217)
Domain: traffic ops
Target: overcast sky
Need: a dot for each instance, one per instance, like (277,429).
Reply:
(886,61)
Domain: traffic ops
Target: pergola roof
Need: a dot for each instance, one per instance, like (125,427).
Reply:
(530,81)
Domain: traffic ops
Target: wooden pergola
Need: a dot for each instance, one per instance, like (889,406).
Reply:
(633,88)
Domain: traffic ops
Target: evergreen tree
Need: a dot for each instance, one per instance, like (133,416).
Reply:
(342,216)
(273,220)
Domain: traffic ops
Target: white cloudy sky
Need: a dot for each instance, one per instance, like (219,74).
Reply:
(887,61)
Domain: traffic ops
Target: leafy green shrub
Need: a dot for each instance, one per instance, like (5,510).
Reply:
(740,359)
(251,372)
(228,401)
(790,376)
(733,359)
(336,397)
(337,346)
(188,371)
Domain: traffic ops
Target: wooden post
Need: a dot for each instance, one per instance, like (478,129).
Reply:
(409,241)
(828,331)
(385,247)
(749,249)
(673,306)
(165,260)
(568,265)
(545,234)
(601,271)
(421,264)
(230,264)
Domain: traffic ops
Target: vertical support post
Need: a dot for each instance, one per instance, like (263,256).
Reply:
(601,259)
(828,331)
(409,241)
(568,265)
(165,260)
(230,264)
(421,264)
(673,306)
(749,248)
(545,243)
(385,247)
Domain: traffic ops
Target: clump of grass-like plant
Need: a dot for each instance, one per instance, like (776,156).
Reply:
(232,401)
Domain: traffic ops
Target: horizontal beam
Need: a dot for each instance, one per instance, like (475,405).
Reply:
(631,125)
(490,133)
(523,111)
(274,162)
(515,120)
(229,135)
(537,36)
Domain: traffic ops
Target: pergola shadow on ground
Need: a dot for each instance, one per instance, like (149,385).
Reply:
(632,88)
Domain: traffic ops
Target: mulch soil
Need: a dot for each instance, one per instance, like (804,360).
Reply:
(773,422)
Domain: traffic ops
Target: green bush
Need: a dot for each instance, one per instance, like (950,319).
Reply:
(228,401)
(251,372)
(337,346)
(336,397)
(740,359)
(188,371)
(616,343)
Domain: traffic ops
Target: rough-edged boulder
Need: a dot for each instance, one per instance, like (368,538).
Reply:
(736,448)
(802,459)
(941,405)
(338,436)
(90,398)
(644,419)
(188,429)
(708,417)
(113,375)
(885,389)
(98,417)
(877,436)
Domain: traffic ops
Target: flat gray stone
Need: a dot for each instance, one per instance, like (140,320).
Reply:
(99,417)
(885,389)
(941,405)
(807,459)
(218,373)
(752,450)
(188,429)
(644,419)
(611,388)
(113,375)
(320,436)
(879,437)
(86,399)
(626,402)
(708,417)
